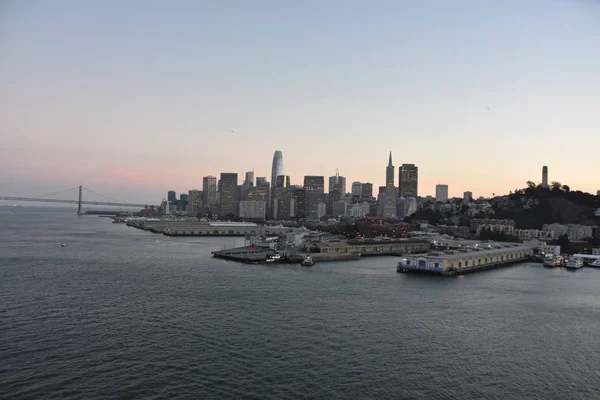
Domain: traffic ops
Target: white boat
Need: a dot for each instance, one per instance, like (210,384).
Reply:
(574,263)
(595,264)
(275,256)
(308,262)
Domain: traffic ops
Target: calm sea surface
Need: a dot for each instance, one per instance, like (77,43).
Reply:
(122,313)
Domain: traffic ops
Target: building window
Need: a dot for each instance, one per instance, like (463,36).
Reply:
(466,263)
(459,264)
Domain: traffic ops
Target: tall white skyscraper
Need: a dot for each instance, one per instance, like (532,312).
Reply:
(276,170)
(441,192)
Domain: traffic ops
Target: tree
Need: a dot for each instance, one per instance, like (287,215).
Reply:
(555,186)
(566,188)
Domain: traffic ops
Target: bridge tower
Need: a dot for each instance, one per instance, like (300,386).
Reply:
(79,202)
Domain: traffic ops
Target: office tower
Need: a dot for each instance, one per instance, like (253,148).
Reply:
(337,182)
(367,191)
(282,181)
(544,176)
(171,196)
(276,170)
(249,180)
(183,201)
(356,189)
(389,173)
(468,196)
(314,187)
(299,202)
(228,201)
(285,203)
(408,180)
(209,188)
(441,192)
(261,181)
(335,195)
(390,194)
(252,209)
(194,203)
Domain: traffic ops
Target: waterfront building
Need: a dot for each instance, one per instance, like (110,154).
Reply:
(171,196)
(314,187)
(252,209)
(228,201)
(441,192)
(194,202)
(249,180)
(261,181)
(371,247)
(550,249)
(408,180)
(451,262)
(390,195)
(276,170)
(545,176)
(209,188)
(366,191)
(337,182)
(356,189)
(468,196)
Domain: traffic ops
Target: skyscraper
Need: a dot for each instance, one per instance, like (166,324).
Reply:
(544,176)
(337,182)
(367,191)
(390,196)
(408,180)
(249,181)
(357,189)
(276,170)
(209,187)
(468,196)
(228,201)
(315,189)
(261,181)
(194,198)
(441,192)
(171,196)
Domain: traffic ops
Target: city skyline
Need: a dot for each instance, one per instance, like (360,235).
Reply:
(477,97)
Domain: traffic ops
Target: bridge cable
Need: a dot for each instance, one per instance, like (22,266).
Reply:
(106,197)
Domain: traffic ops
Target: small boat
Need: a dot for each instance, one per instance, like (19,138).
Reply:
(574,263)
(269,260)
(553,262)
(275,256)
(63,245)
(307,262)
(538,258)
(595,264)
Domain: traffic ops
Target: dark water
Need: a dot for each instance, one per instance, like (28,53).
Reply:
(121,313)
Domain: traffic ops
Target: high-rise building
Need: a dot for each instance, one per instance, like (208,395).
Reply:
(389,173)
(252,209)
(228,201)
(209,187)
(171,196)
(282,181)
(390,195)
(276,170)
(183,201)
(282,199)
(598,193)
(367,191)
(356,189)
(335,195)
(261,181)
(441,192)
(468,196)
(337,182)
(258,193)
(249,180)
(544,176)
(194,202)
(299,202)
(408,180)
(314,187)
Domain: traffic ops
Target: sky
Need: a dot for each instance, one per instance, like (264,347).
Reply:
(135,98)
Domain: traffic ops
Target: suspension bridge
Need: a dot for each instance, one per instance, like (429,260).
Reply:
(79,201)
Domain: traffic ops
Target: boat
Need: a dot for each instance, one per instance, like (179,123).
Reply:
(269,260)
(308,262)
(553,262)
(538,258)
(595,264)
(63,245)
(574,263)
(275,256)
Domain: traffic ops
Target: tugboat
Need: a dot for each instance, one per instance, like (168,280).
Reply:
(574,263)
(307,262)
